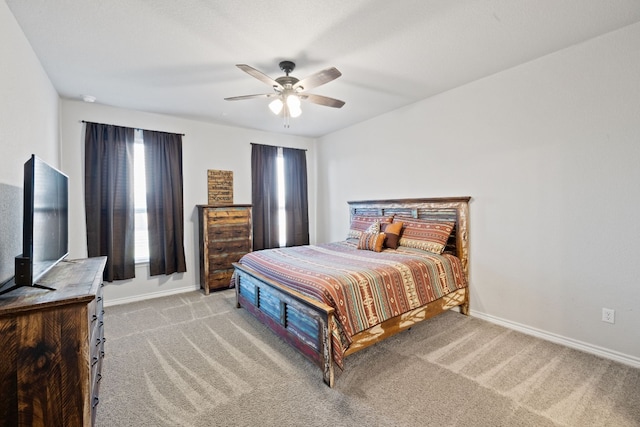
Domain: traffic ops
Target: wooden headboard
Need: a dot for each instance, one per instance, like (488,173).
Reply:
(454,209)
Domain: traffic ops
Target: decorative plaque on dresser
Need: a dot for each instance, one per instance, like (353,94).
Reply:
(52,345)
(225,236)
(219,187)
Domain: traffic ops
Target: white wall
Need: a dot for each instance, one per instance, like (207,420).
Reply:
(205,146)
(550,153)
(28,125)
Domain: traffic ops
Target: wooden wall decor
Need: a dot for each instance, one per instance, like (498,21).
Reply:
(220,187)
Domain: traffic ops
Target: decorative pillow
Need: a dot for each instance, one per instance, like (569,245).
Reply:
(373,228)
(371,241)
(392,231)
(427,235)
(360,223)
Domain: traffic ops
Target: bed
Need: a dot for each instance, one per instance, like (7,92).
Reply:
(331,300)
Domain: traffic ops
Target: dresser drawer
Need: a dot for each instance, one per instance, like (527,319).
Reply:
(220,279)
(228,216)
(228,246)
(96,342)
(96,309)
(224,261)
(95,390)
(96,375)
(228,232)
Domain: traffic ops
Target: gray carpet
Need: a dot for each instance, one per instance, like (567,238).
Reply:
(195,360)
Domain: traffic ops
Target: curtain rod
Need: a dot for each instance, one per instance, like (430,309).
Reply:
(107,124)
(268,145)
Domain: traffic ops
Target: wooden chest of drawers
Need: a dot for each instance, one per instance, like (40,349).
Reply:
(225,236)
(52,347)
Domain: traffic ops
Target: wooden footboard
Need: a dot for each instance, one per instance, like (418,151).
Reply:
(304,322)
(299,320)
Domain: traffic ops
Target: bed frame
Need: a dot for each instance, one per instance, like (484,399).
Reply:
(304,322)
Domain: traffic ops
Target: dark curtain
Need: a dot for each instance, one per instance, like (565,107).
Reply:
(264,196)
(109,202)
(295,199)
(165,212)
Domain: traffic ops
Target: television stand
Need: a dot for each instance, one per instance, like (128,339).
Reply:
(35,285)
(52,348)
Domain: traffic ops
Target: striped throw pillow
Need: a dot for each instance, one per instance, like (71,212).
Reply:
(426,235)
(371,241)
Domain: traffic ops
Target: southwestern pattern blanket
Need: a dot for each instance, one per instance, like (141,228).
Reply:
(365,288)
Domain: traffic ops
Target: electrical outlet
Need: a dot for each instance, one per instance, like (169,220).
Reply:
(608,315)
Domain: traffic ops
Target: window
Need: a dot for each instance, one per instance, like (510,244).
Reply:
(140,200)
(115,198)
(282,216)
(279,196)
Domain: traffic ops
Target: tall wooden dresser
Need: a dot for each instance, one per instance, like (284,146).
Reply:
(225,236)
(52,344)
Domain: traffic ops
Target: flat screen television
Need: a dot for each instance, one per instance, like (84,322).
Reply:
(45,233)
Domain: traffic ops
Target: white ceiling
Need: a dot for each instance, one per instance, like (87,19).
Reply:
(178,58)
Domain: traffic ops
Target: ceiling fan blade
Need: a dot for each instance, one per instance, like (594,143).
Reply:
(322,100)
(261,95)
(319,78)
(259,75)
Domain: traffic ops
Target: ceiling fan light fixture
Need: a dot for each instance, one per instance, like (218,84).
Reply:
(295,112)
(293,104)
(276,106)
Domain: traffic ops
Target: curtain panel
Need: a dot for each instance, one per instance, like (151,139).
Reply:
(165,209)
(296,197)
(264,196)
(109,202)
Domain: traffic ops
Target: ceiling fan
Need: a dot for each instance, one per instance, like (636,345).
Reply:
(288,91)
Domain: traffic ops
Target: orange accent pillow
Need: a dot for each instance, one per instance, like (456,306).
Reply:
(392,231)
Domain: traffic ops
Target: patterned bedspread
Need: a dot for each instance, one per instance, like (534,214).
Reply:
(364,287)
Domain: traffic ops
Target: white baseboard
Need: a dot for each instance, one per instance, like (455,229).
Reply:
(558,339)
(135,298)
